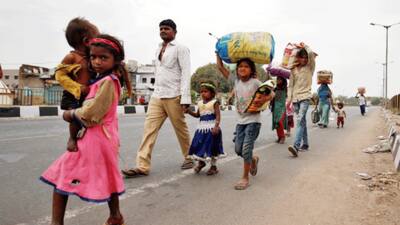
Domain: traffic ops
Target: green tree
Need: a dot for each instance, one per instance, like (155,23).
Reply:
(210,72)
(376,100)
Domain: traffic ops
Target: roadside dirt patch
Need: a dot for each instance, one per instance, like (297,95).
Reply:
(382,189)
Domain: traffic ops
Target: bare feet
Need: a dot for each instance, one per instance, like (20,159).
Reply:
(71,145)
(115,220)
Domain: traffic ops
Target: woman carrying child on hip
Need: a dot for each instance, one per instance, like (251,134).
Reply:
(207,141)
(248,125)
(91,172)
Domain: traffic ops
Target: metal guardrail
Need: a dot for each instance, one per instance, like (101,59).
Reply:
(31,96)
(394,104)
(40,96)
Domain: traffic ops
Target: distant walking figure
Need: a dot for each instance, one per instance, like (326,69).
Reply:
(362,102)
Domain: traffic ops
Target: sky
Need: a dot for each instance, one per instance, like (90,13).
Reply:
(32,32)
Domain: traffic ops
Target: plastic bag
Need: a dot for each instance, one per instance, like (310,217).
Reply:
(278,71)
(289,55)
(257,46)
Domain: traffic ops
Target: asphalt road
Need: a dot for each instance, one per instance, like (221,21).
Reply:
(169,195)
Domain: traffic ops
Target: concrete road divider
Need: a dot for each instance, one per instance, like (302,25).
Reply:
(40,111)
(394,139)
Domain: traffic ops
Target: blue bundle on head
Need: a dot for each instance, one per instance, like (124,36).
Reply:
(257,46)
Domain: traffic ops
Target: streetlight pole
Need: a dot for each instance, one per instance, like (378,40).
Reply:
(387,50)
(383,77)
(383,81)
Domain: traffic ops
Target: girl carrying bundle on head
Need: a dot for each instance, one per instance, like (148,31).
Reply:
(248,123)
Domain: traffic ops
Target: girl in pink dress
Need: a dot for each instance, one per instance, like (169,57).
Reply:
(91,171)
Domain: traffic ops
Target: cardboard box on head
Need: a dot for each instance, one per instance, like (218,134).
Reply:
(324,77)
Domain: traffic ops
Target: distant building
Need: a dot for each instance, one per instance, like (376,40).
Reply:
(145,79)
(132,66)
(39,85)
(34,76)
(10,78)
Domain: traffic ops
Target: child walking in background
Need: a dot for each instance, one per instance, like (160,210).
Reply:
(341,114)
(72,73)
(92,172)
(248,124)
(278,108)
(207,140)
(290,121)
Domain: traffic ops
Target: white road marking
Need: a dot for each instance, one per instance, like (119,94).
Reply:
(132,192)
(30,137)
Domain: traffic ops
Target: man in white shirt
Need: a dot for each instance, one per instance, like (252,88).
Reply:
(170,98)
(362,102)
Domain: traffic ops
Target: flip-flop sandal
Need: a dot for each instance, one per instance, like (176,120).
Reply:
(132,173)
(200,166)
(241,186)
(253,171)
(212,171)
(187,164)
